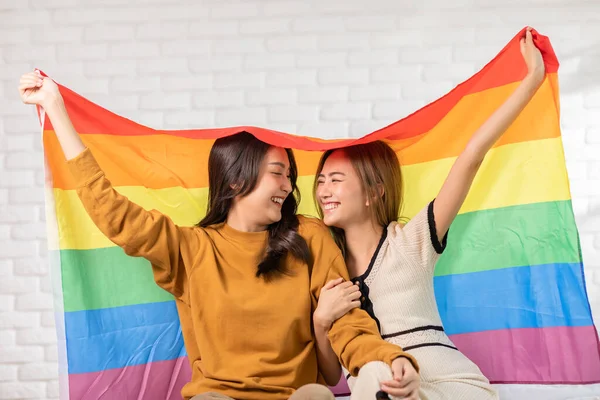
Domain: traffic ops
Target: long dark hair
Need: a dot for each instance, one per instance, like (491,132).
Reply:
(235,161)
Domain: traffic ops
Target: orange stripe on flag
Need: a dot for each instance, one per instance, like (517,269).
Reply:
(170,161)
(502,70)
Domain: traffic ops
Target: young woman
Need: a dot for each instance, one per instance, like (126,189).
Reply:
(359,191)
(246,279)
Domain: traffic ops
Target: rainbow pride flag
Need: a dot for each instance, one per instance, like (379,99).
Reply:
(510,286)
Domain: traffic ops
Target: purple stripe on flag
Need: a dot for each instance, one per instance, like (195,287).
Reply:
(552,355)
(161,380)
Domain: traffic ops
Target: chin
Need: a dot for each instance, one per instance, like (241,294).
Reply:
(274,217)
(328,220)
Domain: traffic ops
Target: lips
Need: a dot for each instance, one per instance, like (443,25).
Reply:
(277,200)
(330,206)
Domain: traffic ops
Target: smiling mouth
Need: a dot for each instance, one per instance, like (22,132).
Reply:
(330,206)
(277,200)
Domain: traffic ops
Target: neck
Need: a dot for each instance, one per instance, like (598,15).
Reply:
(240,221)
(361,242)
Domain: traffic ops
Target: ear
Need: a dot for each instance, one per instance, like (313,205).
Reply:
(378,194)
(380,190)
(236,186)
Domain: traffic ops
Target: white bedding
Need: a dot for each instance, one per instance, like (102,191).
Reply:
(543,392)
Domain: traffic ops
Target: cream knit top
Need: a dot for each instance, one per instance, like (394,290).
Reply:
(397,288)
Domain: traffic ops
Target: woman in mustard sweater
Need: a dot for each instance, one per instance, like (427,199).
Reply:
(246,279)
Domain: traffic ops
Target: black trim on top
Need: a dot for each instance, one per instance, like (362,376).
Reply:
(439,247)
(420,328)
(365,302)
(374,257)
(416,346)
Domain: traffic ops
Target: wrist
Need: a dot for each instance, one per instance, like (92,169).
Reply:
(407,358)
(321,324)
(536,77)
(53,104)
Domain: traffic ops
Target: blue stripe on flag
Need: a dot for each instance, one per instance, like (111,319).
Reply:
(520,297)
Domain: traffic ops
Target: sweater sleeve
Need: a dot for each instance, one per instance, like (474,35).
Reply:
(418,239)
(140,233)
(354,337)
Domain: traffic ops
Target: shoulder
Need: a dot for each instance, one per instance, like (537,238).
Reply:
(416,226)
(310,226)
(317,234)
(394,228)
(199,235)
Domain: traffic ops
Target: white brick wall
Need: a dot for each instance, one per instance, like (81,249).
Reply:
(319,67)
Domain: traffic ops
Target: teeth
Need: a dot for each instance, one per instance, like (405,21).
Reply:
(331,206)
(277,200)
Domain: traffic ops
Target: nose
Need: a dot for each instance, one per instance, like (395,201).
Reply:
(286,186)
(323,191)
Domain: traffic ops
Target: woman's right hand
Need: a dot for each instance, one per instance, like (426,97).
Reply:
(336,299)
(38,90)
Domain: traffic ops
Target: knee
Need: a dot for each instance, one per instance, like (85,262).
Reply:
(313,391)
(368,382)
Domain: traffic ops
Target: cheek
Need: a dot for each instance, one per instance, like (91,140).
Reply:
(272,183)
(265,186)
(259,195)
(355,199)
(348,192)
(356,203)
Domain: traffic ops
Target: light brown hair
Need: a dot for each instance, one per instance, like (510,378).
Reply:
(378,168)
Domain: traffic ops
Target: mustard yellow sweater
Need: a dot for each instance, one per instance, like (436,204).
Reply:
(245,338)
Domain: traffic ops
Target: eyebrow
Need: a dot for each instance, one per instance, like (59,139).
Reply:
(332,173)
(279,164)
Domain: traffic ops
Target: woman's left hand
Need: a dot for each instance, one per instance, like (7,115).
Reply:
(406,382)
(336,299)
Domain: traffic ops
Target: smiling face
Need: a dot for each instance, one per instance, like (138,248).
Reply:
(251,184)
(263,204)
(358,184)
(340,193)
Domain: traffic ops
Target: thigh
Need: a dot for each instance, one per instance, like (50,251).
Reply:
(457,389)
(211,396)
(313,391)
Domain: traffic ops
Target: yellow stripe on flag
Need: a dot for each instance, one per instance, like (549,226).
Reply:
(521,173)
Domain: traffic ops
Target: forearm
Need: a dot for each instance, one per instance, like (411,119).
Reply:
(356,341)
(141,233)
(460,178)
(493,128)
(68,138)
(328,362)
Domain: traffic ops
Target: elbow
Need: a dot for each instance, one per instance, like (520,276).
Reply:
(471,159)
(333,379)
(474,165)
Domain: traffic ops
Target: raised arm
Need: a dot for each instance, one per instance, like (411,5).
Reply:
(139,232)
(458,183)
